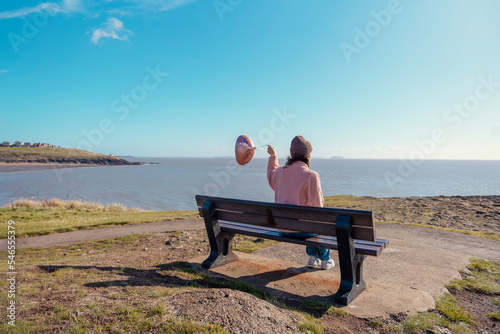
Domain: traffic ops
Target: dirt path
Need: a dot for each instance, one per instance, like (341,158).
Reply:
(69,238)
(430,238)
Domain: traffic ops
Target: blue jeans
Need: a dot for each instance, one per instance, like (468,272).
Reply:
(320,253)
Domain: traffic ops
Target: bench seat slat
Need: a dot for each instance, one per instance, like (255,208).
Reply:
(358,217)
(360,248)
(364,233)
(379,242)
(317,241)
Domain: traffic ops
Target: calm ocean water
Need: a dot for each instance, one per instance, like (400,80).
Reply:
(172,183)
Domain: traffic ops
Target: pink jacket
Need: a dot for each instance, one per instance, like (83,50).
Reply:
(295,184)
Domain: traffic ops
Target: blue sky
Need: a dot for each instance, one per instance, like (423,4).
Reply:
(365,79)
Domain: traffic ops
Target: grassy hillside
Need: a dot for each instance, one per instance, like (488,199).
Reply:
(56,155)
(54,216)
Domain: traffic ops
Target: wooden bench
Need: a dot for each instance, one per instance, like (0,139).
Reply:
(350,232)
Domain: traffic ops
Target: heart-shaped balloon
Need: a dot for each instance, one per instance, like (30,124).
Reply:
(244,150)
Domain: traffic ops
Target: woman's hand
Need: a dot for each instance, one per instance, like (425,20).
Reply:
(271,150)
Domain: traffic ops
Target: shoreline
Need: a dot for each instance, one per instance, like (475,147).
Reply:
(8,167)
(25,158)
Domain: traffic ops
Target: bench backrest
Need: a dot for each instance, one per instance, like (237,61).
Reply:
(290,217)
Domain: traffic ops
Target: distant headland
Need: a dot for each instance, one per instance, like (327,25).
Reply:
(25,153)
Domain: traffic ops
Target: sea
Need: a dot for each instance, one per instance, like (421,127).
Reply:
(172,183)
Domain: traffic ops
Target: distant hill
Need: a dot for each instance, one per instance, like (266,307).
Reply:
(58,155)
(337,157)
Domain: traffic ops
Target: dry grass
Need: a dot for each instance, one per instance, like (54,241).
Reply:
(54,215)
(243,243)
(67,204)
(482,276)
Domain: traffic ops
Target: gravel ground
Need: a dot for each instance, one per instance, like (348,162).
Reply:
(472,213)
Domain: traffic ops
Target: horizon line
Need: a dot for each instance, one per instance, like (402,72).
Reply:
(315,158)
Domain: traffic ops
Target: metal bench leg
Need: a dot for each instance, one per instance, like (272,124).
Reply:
(351,264)
(221,243)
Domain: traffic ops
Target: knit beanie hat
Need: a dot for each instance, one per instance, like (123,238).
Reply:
(300,148)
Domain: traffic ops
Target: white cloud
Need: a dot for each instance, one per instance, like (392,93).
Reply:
(72,6)
(10,14)
(95,8)
(162,5)
(52,8)
(4,71)
(112,28)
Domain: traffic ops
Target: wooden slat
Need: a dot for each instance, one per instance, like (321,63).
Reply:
(364,233)
(379,242)
(263,229)
(371,249)
(359,217)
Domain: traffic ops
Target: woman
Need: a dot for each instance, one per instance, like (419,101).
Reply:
(296,184)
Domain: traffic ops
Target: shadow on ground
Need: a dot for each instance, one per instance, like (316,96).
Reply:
(167,275)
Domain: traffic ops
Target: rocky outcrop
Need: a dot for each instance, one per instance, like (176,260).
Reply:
(59,156)
(73,160)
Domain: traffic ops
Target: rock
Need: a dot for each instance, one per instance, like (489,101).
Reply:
(443,330)
(236,311)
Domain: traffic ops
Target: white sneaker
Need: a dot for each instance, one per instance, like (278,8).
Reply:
(325,265)
(313,262)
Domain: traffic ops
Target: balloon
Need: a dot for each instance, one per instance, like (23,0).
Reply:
(244,150)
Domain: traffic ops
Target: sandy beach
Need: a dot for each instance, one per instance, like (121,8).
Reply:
(6,167)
